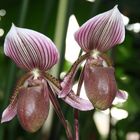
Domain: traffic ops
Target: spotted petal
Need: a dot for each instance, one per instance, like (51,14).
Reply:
(101,32)
(30,49)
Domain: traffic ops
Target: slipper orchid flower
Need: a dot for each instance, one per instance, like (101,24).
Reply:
(35,53)
(98,35)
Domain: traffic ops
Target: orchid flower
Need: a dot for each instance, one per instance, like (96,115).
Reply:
(35,53)
(95,37)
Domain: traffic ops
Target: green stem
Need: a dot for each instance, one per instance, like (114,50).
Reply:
(23,12)
(47,14)
(59,30)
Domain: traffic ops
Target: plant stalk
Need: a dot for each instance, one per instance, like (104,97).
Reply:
(60,113)
(76,112)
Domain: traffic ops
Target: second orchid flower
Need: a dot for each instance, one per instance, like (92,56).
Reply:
(98,35)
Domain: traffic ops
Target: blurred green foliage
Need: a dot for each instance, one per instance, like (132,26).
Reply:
(42,16)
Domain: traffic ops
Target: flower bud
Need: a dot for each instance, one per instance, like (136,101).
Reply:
(33,106)
(100,85)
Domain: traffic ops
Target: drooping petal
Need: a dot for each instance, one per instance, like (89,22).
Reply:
(101,32)
(10,112)
(33,105)
(71,98)
(30,49)
(67,82)
(100,85)
(77,102)
(66,85)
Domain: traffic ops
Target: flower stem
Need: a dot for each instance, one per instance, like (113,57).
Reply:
(76,124)
(60,113)
(76,112)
